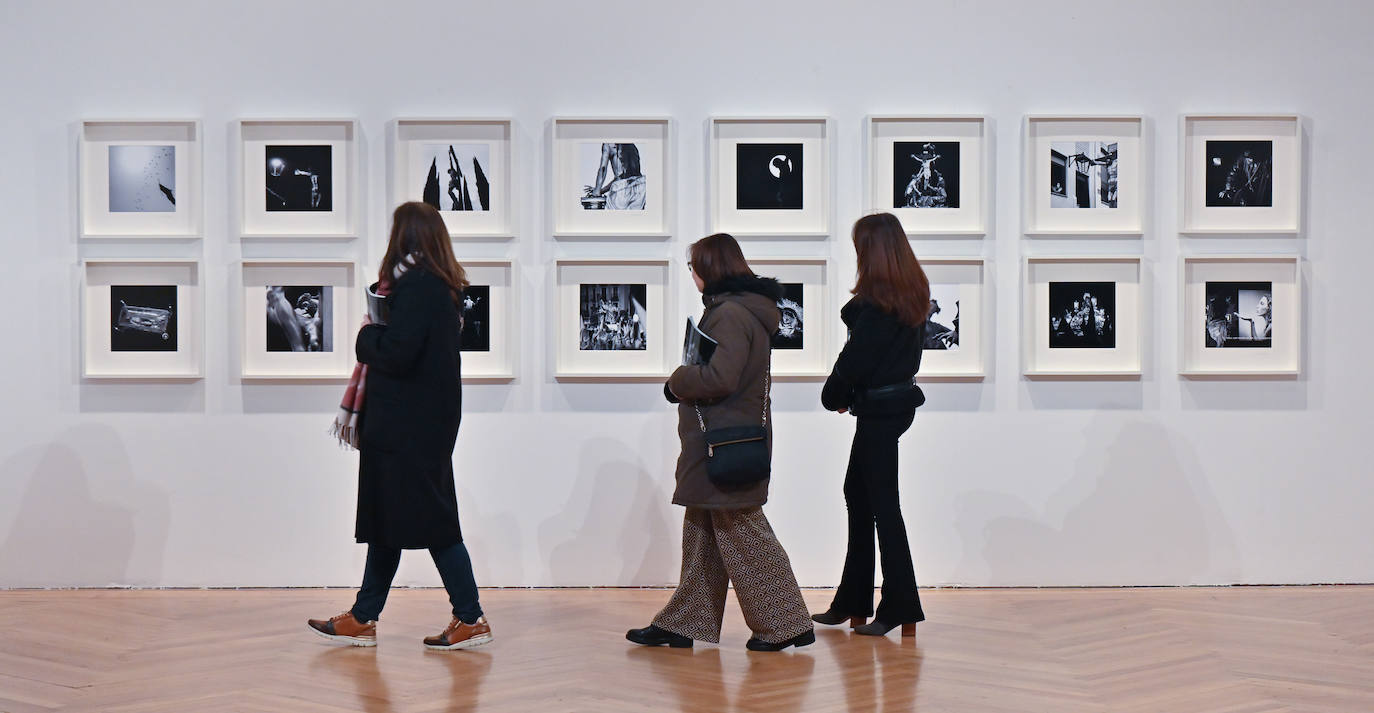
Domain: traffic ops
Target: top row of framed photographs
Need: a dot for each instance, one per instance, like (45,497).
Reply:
(613,177)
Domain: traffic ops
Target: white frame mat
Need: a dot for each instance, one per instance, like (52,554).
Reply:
(1121,361)
(653,136)
(970,218)
(409,136)
(1040,218)
(818,309)
(813,133)
(573,363)
(1282,358)
(499,363)
(252,136)
(968,362)
(98,136)
(100,361)
(258,364)
(1283,216)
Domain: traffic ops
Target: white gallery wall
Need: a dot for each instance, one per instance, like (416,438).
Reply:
(220,482)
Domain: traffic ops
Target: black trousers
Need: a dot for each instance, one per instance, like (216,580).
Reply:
(870,494)
(455,569)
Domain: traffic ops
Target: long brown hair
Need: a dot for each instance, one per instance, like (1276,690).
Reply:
(418,229)
(890,276)
(716,257)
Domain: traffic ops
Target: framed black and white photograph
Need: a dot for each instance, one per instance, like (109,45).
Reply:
(140,179)
(490,320)
(611,177)
(298,178)
(141,319)
(459,166)
(954,333)
(1082,317)
(611,319)
(1240,174)
(770,176)
(808,316)
(294,311)
(1240,315)
(300,318)
(929,171)
(1084,175)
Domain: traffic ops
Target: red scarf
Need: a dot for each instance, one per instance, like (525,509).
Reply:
(345,427)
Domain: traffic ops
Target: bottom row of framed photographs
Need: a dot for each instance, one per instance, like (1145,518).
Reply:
(1082,317)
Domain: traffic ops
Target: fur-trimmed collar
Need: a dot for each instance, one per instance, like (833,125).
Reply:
(766,286)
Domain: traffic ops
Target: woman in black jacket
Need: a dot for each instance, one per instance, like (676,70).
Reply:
(875,380)
(412,406)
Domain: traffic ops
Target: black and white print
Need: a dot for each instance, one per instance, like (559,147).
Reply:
(454,176)
(1082,315)
(942,321)
(143,179)
(789,334)
(614,177)
(768,176)
(476,336)
(300,178)
(1239,314)
(1083,174)
(143,318)
(1240,174)
(925,174)
(300,319)
(613,317)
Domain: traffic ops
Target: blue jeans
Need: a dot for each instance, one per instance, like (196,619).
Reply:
(455,568)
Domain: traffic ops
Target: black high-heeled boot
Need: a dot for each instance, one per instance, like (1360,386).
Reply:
(806,638)
(880,628)
(832,617)
(653,636)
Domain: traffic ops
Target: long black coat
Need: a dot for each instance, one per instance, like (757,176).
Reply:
(411,410)
(881,351)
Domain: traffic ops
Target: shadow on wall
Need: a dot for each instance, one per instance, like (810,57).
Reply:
(1144,514)
(83,518)
(613,527)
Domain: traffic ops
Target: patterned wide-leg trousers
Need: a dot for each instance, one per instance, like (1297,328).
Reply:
(720,546)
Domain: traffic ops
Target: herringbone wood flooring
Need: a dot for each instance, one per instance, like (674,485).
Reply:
(1222,650)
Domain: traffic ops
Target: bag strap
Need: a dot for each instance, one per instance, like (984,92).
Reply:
(767,388)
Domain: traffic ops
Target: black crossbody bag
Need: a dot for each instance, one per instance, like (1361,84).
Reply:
(737,456)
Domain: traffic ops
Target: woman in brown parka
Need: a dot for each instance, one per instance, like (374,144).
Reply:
(725,536)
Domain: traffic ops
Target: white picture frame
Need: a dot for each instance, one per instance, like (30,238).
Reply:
(641,205)
(1081,202)
(498,362)
(415,139)
(576,355)
(967,192)
(1201,171)
(811,277)
(332,140)
(964,279)
(1203,354)
(1043,277)
(810,137)
(125,165)
(341,314)
(108,354)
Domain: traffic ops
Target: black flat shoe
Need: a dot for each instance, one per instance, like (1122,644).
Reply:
(880,628)
(805,638)
(832,617)
(653,636)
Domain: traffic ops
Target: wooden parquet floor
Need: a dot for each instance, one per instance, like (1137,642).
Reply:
(1221,650)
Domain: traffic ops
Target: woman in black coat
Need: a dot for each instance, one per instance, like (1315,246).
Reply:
(875,379)
(412,405)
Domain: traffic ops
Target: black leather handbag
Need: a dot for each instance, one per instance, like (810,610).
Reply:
(738,456)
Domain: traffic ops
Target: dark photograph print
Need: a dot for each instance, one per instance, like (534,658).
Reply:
(613,175)
(143,318)
(925,174)
(613,318)
(942,322)
(299,319)
(768,176)
(476,336)
(1240,173)
(300,178)
(1082,315)
(1240,314)
(1083,174)
(789,334)
(456,176)
(143,179)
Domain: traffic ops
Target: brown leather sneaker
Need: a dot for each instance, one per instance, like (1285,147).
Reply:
(343,627)
(460,636)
